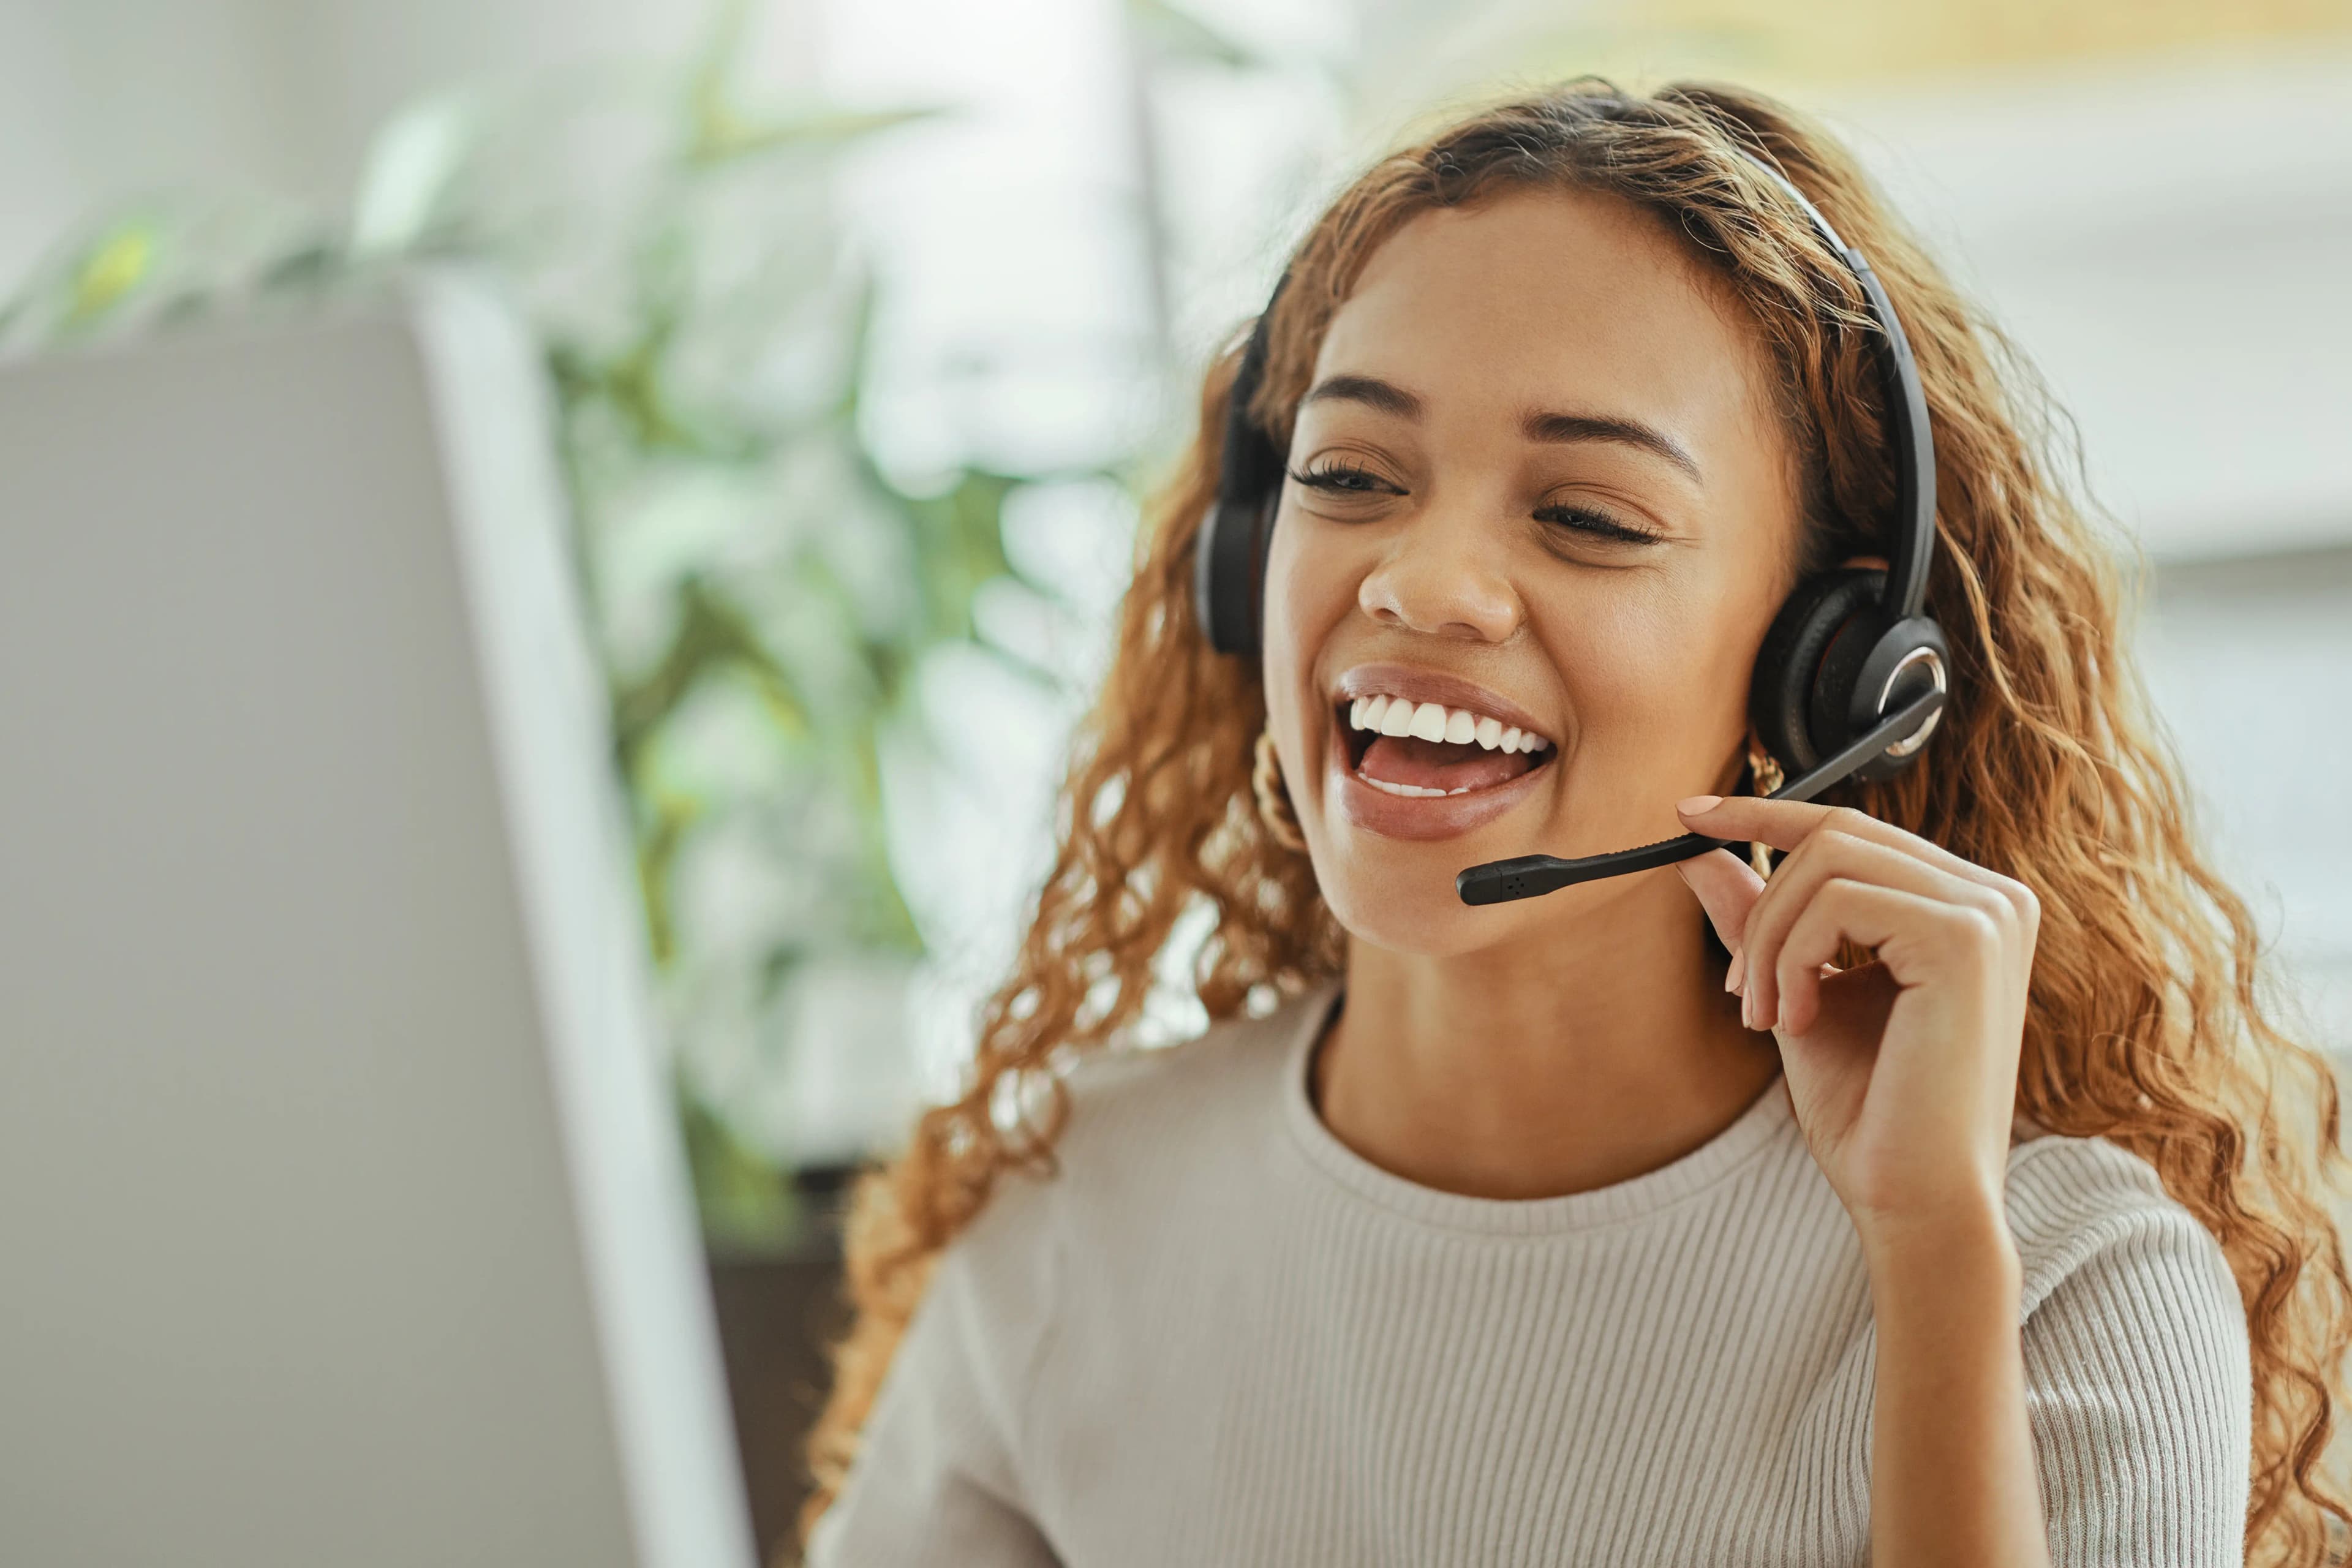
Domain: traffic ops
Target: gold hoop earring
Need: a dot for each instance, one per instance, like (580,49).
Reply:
(1274,807)
(1765,774)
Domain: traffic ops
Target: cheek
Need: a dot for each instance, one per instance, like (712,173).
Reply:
(1628,660)
(1309,590)
(1654,685)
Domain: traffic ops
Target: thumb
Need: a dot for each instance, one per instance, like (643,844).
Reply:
(1727,888)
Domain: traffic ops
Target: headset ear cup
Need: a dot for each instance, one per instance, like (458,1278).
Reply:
(1228,571)
(1261,517)
(1204,577)
(1866,677)
(1780,693)
(1828,714)
(1229,552)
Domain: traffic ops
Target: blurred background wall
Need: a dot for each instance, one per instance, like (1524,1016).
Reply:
(2157,200)
(853,579)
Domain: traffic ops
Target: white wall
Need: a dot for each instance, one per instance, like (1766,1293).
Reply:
(2249,661)
(2170,243)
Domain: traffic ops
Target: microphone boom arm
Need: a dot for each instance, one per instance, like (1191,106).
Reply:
(1500,881)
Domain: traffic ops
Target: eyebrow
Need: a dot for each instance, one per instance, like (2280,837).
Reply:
(1367,390)
(1542,425)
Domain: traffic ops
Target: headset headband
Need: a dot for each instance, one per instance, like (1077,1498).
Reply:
(1911,531)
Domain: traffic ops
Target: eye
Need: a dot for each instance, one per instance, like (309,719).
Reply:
(1590,524)
(1344,478)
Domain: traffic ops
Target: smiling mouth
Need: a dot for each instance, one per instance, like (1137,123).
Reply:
(1425,749)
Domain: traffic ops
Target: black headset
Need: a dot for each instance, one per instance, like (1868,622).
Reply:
(1850,658)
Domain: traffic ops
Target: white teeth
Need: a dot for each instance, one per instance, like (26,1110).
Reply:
(1414,792)
(1384,715)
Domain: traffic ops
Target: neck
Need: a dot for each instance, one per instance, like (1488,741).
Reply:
(1585,1056)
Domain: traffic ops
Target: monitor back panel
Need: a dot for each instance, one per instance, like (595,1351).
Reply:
(341,1219)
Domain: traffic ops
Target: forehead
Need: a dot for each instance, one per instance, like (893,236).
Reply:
(1571,299)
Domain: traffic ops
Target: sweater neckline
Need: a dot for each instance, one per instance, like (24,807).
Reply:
(1652,1190)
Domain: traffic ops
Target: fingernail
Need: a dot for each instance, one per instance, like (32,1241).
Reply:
(1699,805)
(1747,1010)
(1731,976)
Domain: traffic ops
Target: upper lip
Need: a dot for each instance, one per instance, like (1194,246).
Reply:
(1435,686)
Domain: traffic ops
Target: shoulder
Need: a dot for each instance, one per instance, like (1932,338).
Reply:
(2086,1208)
(1127,1100)
(2129,1306)
(2134,1344)
(1140,1117)
(1177,1130)
(1154,1138)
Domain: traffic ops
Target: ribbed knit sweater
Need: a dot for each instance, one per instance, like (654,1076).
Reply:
(1219,1336)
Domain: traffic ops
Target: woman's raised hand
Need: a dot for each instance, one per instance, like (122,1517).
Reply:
(1902,1072)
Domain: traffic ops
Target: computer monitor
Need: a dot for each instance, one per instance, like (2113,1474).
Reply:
(342,1214)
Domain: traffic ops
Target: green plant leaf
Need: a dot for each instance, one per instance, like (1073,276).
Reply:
(112,270)
(724,134)
(1171,33)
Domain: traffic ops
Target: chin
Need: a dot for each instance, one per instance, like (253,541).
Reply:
(1431,922)
(1397,891)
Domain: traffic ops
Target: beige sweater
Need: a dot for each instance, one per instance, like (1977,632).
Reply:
(1220,1337)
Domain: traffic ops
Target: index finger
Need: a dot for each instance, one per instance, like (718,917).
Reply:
(1782,824)
(1785,823)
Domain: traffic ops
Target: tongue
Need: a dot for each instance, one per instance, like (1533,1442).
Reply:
(1434,764)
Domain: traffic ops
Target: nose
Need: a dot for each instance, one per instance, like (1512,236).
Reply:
(1441,578)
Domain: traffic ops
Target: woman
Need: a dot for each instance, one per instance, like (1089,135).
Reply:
(1928,1203)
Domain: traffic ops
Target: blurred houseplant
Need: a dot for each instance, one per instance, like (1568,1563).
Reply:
(763,594)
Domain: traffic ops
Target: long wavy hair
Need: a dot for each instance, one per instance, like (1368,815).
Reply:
(2147,1024)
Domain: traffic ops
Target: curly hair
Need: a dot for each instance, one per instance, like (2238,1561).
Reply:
(2147,1024)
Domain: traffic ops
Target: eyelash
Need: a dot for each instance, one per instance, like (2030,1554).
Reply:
(1326,476)
(1583,520)
(1596,522)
